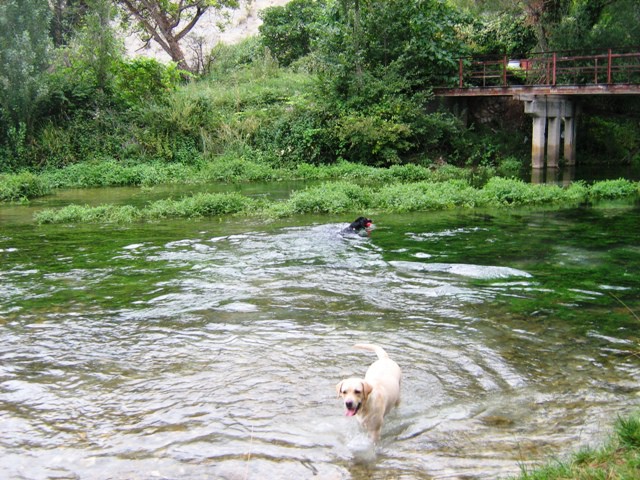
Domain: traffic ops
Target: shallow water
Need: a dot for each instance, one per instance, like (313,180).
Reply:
(210,349)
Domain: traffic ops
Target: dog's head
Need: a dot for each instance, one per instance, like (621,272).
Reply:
(361,223)
(354,391)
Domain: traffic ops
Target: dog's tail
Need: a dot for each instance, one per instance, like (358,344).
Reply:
(373,348)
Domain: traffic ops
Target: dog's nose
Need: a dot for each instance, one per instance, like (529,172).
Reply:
(349,404)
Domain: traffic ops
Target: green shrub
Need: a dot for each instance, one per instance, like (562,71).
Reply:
(610,139)
(109,172)
(141,80)
(233,169)
(13,148)
(510,167)
(299,134)
(226,59)
(372,140)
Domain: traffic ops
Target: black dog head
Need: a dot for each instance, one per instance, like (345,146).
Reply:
(361,223)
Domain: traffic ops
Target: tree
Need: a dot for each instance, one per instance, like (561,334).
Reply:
(95,47)
(24,57)
(541,15)
(598,24)
(379,60)
(167,22)
(67,16)
(412,44)
(500,33)
(288,31)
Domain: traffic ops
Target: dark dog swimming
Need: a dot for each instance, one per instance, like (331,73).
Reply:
(360,226)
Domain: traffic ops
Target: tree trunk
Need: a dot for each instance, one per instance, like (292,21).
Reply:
(176,53)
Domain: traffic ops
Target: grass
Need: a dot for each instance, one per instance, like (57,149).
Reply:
(618,459)
(337,197)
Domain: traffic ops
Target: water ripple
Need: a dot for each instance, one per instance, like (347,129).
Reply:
(216,356)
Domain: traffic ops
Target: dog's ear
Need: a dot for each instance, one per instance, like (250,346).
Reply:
(366,388)
(338,388)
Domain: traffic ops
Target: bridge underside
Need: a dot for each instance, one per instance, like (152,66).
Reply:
(518,90)
(553,109)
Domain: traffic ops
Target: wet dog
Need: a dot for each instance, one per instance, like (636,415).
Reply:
(359,226)
(370,398)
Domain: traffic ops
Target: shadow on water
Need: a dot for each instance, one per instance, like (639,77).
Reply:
(210,349)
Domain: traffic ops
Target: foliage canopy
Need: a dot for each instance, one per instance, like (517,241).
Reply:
(326,80)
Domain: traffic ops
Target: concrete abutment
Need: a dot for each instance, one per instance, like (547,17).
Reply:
(553,129)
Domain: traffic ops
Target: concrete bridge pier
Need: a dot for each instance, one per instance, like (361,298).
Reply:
(553,122)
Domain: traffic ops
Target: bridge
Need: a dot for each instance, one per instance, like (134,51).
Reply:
(548,84)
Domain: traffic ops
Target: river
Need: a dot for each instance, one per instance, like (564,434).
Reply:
(211,348)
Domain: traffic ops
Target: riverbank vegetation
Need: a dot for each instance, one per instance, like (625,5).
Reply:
(325,82)
(619,458)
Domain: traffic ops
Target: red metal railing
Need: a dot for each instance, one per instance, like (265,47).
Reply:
(552,69)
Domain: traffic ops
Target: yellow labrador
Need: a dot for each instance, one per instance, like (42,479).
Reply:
(370,398)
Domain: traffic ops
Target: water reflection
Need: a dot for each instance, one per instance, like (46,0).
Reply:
(567,174)
(208,350)
(559,176)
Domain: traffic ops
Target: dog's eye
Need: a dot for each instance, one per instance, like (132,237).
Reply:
(357,392)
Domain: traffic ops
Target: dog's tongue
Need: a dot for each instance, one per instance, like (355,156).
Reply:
(350,412)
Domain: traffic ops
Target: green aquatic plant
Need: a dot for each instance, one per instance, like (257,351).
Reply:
(426,196)
(330,197)
(111,173)
(21,186)
(337,197)
(237,167)
(614,188)
(510,191)
(87,214)
(199,205)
